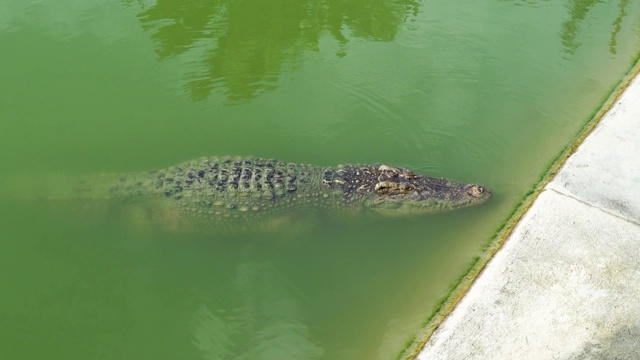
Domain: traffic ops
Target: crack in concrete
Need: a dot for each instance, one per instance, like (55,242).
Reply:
(624,218)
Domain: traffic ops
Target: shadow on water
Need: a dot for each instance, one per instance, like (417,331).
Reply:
(241,48)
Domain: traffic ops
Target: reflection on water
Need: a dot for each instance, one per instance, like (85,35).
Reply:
(617,25)
(241,48)
(264,325)
(578,12)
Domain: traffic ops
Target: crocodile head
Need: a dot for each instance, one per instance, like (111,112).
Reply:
(399,191)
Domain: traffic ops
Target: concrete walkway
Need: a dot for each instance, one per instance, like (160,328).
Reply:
(566,284)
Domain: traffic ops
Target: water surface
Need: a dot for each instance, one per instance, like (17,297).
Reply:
(487,92)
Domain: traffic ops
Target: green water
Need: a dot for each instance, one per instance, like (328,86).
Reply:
(485,91)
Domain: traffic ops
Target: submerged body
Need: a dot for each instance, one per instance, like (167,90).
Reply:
(253,191)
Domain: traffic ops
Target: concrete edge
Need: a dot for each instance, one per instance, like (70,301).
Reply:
(460,287)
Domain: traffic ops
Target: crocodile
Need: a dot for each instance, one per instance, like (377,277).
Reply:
(214,190)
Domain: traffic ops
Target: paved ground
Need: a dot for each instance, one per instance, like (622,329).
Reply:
(566,284)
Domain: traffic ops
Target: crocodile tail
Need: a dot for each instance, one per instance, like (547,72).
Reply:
(114,186)
(70,187)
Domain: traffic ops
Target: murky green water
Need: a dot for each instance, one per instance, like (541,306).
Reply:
(485,92)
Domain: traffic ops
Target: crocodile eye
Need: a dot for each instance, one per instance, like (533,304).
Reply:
(477,190)
(406,187)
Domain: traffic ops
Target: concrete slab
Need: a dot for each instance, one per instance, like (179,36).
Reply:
(566,281)
(566,284)
(605,171)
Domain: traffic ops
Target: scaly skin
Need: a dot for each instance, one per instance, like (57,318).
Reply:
(250,191)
